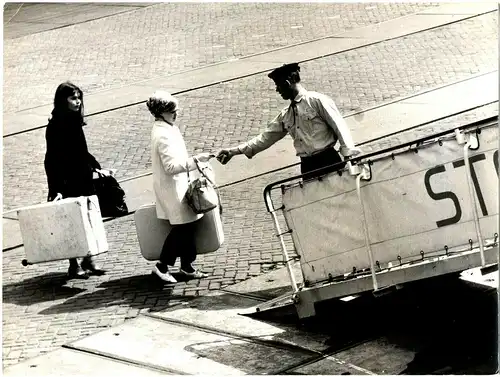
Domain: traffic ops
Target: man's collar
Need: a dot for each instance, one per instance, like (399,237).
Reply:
(300,95)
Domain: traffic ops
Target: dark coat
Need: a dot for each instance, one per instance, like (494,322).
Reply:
(68,164)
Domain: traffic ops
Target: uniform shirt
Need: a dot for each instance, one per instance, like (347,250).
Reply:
(314,123)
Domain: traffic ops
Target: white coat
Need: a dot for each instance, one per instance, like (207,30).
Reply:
(169,157)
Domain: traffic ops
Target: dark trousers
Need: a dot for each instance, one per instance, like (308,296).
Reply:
(73,262)
(180,243)
(320,160)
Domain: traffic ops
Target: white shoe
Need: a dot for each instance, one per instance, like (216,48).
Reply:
(197,274)
(165,276)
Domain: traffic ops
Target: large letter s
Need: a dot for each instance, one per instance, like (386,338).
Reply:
(441,196)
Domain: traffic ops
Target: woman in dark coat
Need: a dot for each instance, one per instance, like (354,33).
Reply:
(68,164)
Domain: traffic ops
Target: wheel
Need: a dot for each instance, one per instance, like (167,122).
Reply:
(24,262)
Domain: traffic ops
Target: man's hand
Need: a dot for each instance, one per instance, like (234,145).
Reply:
(350,152)
(225,155)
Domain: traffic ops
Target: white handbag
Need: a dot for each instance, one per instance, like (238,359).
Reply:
(202,194)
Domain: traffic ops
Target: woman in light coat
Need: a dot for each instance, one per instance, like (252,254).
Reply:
(171,162)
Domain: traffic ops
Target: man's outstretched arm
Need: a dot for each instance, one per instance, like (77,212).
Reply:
(274,132)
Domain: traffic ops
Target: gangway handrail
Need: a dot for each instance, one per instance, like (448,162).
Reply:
(337,166)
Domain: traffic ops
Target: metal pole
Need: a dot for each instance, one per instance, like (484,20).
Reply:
(472,195)
(365,228)
(272,210)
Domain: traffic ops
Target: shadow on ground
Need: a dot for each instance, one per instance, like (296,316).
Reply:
(456,325)
(449,325)
(139,292)
(48,287)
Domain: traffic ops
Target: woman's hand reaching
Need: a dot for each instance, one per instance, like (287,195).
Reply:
(204,157)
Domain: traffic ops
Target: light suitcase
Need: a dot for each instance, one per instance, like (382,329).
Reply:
(152,232)
(62,229)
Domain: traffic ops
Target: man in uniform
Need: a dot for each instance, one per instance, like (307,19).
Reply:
(311,118)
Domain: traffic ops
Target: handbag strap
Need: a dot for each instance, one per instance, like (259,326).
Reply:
(202,172)
(187,169)
(209,180)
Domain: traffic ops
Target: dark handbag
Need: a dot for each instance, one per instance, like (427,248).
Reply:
(202,194)
(111,196)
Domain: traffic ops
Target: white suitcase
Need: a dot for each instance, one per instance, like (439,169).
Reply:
(152,232)
(62,229)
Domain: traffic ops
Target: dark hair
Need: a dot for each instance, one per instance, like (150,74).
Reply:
(61,110)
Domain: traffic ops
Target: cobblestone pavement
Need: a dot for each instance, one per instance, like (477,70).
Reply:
(22,19)
(219,115)
(167,38)
(41,311)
